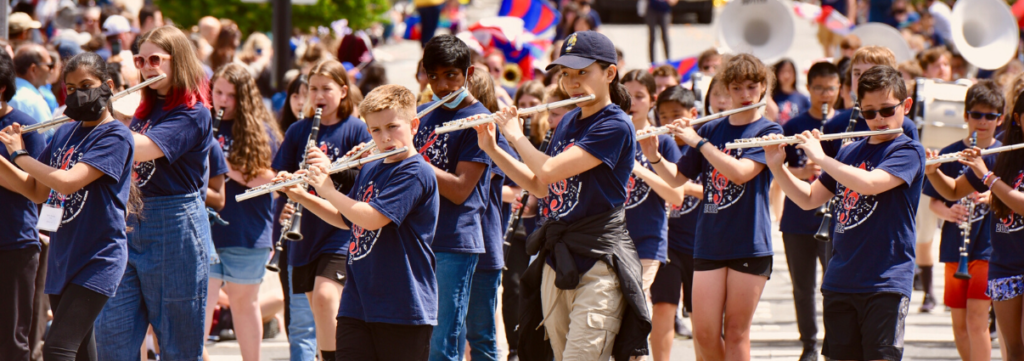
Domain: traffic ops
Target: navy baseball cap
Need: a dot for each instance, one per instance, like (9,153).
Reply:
(583,48)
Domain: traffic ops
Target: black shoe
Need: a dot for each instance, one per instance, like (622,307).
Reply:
(928,304)
(227,335)
(917,280)
(682,331)
(513,355)
(271,329)
(810,354)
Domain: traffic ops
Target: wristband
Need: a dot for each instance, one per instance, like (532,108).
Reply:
(993,184)
(701,143)
(17,154)
(659,160)
(984,179)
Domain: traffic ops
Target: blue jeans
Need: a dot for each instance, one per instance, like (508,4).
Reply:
(454,276)
(480,328)
(301,329)
(164,284)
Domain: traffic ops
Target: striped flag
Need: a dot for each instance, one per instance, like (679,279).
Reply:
(685,66)
(538,15)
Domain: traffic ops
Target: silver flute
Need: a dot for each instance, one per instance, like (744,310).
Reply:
(335,168)
(759,142)
(64,118)
(953,157)
(435,105)
(664,130)
(465,123)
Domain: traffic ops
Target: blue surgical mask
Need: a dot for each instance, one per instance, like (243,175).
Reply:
(458,98)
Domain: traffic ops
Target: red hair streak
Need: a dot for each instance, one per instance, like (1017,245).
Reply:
(175,98)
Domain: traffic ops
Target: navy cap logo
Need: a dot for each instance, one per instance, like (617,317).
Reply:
(571,42)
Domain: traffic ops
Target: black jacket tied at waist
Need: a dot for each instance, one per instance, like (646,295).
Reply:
(603,237)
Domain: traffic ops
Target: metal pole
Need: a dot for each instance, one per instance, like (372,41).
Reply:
(282,36)
(4,9)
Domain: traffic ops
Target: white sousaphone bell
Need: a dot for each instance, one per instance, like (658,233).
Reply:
(879,34)
(763,28)
(987,35)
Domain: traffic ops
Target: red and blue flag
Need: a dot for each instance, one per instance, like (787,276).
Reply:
(685,66)
(538,15)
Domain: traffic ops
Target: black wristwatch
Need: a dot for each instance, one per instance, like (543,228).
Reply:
(17,154)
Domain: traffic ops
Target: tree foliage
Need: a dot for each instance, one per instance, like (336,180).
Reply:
(259,16)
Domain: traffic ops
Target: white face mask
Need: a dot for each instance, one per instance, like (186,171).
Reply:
(458,98)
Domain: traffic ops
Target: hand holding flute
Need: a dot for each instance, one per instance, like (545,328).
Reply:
(701,120)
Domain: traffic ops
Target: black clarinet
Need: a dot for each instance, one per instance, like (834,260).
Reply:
(275,261)
(214,216)
(216,121)
(293,232)
(823,233)
(965,228)
(513,222)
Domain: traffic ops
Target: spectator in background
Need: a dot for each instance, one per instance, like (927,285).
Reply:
(790,101)
(373,76)
(659,15)
(118,32)
(19,28)
(5,46)
(941,14)
(586,9)
(495,61)
(708,62)
(911,70)
(229,39)
(91,21)
(935,63)
(958,66)
(564,27)
(209,29)
(150,17)
(32,64)
(583,22)
(828,39)
(621,57)
(880,11)
(257,53)
(430,16)
(665,76)
(47,90)
(848,46)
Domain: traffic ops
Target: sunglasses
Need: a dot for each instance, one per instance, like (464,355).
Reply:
(824,89)
(885,112)
(153,60)
(988,116)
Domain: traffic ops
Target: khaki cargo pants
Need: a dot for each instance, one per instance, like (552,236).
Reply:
(582,323)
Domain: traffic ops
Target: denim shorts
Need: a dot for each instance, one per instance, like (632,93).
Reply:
(240,265)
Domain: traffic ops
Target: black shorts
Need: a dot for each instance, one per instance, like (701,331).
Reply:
(360,340)
(678,270)
(864,326)
(328,265)
(758,266)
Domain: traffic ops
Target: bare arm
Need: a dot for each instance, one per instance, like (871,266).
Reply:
(805,195)
(667,171)
(510,193)
(319,206)
(63,181)
(738,171)
(216,197)
(22,183)
(262,178)
(457,187)
(859,180)
(360,213)
(1010,196)
(671,194)
(693,190)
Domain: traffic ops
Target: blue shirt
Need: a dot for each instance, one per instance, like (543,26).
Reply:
(790,105)
(47,92)
(390,271)
(493,220)
(20,214)
(980,247)
(250,222)
(29,100)
(90,249)
(841,120)
(1007,235)
(682,219)
(734,221)
(460,230)
(318,237)
(609,136)
(873,239)
(838,5)
(660,6)
(646,220)
(183,135)
(796,220)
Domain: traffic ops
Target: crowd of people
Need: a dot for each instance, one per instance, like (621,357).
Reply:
(125,228)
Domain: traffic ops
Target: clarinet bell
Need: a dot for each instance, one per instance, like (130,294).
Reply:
(821,211)
(823,230)
(961,269)
(294,231)
(274,262)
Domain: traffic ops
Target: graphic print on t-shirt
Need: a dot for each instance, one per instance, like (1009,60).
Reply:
(332,151)
(719,191)
(1013,222)
(362,239)
(72,203)
(434,149)
(636,189)
(142,172)
(563,195)
(854,208)
(689,204)
(225,143)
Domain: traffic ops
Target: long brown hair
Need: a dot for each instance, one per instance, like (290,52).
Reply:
(336,72)
(1010,164)
(250,152)
(227,42)
(188,81)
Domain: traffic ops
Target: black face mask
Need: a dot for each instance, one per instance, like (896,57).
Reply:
(86,105)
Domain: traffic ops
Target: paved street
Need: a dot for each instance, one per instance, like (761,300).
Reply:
(774,334)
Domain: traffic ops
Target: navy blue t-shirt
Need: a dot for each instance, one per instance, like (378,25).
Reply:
(609,136)
(682,219)
(791,105)
(250,222)
(218,162)
(460,230)
(646,220)
(18,213)
(796,220)
(493,221)
(839,5)
(1007,234)
(873,239)
(734,221)
(183,135)
(841,120)
(391,270)
(318,237)
(90,249)
(981,235)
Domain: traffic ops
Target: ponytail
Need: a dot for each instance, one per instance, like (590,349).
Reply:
(617,91)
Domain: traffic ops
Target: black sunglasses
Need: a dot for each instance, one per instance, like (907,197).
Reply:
(988,116)
(885,112)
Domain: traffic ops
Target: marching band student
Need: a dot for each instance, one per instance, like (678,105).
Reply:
(460,167)
(790,101)
(799,226)
(166,278)
(866,292)
(717,98)
(1006,266)
(676,276)
(318,261)
(248,135)
(585,288)
(83,179)
(392,210)
(967,298)
(733,252)
(19,241)
(935,64)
